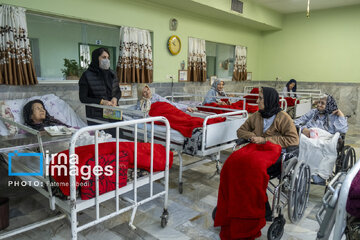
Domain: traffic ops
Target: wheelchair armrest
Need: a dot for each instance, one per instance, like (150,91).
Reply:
(241,141)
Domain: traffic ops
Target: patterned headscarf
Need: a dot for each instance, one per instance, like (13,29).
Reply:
(145,103)
(330,107)
(215,87)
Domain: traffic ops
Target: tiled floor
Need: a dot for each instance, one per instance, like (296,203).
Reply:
(190,212)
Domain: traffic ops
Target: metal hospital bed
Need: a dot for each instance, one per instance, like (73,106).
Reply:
(215,137)
(72,207)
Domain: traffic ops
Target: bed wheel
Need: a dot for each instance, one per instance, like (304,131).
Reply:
(214,213)
(276,229)
(164,218)
(163,222)
(181,188)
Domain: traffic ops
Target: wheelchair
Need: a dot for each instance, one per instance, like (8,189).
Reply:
(290,186)
(346,156)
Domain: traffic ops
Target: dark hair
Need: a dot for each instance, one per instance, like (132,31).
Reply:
(294,88)
(48,121)
(95,56)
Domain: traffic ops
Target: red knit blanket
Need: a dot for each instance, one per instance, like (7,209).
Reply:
(107,157)
(179,120)
(239,105)
(242,191)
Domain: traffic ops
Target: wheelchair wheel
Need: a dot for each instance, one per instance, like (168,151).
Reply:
(276,229)
(349,159)
(299,192)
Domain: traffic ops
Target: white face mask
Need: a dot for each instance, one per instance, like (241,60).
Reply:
(104,64)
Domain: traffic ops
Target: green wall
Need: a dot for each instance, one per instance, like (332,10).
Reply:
(323,48)
(155,18)
(59,39)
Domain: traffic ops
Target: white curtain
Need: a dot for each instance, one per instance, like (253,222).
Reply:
(135,59)
(16,65)
(196,60)
(240,71)
(85,57)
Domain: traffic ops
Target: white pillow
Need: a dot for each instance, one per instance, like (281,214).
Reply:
(56,107)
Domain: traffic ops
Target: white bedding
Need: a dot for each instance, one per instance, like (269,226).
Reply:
(56,107)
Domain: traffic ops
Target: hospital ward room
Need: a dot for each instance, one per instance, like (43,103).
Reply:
(192,119)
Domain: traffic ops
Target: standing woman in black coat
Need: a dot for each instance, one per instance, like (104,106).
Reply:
(99,85)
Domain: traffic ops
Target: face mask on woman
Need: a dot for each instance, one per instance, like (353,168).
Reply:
(104,64)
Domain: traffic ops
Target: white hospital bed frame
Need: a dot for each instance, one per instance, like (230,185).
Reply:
(215,138)
(72,207)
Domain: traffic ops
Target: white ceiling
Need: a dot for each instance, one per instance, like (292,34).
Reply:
(291,6)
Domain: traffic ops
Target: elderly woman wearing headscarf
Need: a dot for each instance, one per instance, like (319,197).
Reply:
(326,116)
(321,128)
(270,123)
(217,90)
(36,116)
(146,98)
(290,88)
(99,85)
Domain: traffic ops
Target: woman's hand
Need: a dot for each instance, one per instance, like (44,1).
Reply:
(258,140)
(189,109)
(222,103)
(106,102)
(114,101)
(338,113)
(306,132)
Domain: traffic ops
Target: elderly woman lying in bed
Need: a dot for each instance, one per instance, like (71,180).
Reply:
(36,116)
(146,98)
(321,128)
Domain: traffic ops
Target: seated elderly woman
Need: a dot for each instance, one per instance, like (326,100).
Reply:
(217,90)
(146,98)
(327,117)
(242,203)
(36,116)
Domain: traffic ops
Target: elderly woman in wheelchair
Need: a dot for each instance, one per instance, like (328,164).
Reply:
(322,140)
(243,208)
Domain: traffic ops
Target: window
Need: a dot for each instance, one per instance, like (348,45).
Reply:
(52,39)
(220,60)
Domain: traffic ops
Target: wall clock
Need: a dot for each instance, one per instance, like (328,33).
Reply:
(174,45)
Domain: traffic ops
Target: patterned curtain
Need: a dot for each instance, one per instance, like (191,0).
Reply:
(240,72)
(197,60)
(16,64)
(135,59)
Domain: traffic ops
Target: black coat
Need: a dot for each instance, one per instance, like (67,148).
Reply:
(96,84)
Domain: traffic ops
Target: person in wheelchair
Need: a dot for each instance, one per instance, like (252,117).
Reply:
(269,127)
(328,117)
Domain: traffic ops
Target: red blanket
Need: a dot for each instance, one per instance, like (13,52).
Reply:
(251,98)
(179,120)
(237,105)
(126,153)
(290,101)
(242,191)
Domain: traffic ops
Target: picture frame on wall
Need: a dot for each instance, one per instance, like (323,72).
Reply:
(182,76)
(126,89)
(249,76)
